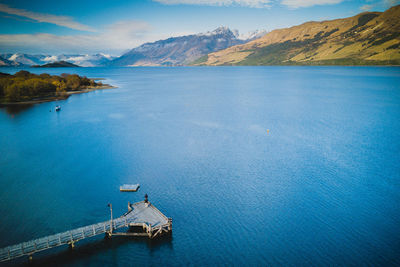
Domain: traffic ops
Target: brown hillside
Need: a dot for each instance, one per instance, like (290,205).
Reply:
(367,38)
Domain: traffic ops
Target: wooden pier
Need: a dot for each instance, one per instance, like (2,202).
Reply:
(141,214)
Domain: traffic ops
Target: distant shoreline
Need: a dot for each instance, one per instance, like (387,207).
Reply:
(229,65)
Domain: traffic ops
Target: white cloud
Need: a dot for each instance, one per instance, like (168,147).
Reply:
(366,7)
(115,38)
(382,4)
(252,3)
(244,3)
(64,21)
(308,3)
(391,2)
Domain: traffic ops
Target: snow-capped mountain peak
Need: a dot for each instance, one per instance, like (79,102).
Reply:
(222,30)
(78,59)
(50,59)
(252,35)
(13,57)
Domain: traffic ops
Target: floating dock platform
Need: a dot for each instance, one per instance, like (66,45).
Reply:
(129,187)
(141,214)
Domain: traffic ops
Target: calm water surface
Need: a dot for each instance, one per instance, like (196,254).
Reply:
(321,188)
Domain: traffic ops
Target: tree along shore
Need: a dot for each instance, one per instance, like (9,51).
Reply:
(24,87)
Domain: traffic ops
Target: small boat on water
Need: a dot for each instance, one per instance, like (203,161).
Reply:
(129,187)
(58,108)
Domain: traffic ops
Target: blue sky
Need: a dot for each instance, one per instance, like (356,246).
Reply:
(78,26)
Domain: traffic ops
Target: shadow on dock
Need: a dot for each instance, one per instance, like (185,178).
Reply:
(86,249)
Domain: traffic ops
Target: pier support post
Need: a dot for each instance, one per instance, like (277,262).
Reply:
(149,231)
(111,221)
(169,224)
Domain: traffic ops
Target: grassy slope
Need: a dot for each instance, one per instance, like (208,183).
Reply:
(370,38)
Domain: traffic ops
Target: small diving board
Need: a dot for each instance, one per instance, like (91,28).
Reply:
(129,187)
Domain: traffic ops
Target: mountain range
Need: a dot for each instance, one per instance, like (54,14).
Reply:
(177,51)
(173,51)
(369,38)
(19,59)
(365,39)
(4,62)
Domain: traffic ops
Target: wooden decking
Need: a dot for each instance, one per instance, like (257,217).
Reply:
(142,214)
(129,188)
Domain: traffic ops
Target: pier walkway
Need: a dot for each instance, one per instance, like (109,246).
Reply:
(141,214)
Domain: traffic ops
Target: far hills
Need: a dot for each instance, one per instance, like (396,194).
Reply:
(57,64)
(369,38)
(174,51)
(177,51)
(83,60)
(4,62)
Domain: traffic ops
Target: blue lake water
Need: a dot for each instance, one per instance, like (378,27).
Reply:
(321,188)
